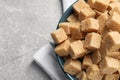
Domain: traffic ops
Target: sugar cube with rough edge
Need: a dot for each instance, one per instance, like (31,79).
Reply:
(88,51)
(72,67)
(113,22)
(72,18)
(96,57)
(113,4)
(90,25)
(103,30)
(81,76)
(114,76)
(93,41)
(98,13)
(112,41)
(109,65)
(86,13)
(76,32)
(93,73)
(91,3)
(92,68)
(105,52)
(65,26)
(59,36)
(87,61)
(77,49)
(80,4)
(116,9)
(114,54)
(102,19)
(63,48)
(101,5)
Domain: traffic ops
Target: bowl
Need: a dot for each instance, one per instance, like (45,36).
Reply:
(61,61)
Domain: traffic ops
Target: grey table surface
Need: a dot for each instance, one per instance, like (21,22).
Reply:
(25,26)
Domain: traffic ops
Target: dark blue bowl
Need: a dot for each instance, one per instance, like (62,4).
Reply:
(61,60)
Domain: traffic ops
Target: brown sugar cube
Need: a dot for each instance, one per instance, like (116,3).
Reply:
(112,41)
(112,77)
(90,25)
(65,26)
(87,61)
(104,31)
(102,20)
(113,4)
(110,54)
(59,36)
(109,65)
(91,3)
(116,9)
(88,51)
(113,22)
(86,13)
(62,49)
(92,41)
(96,57)
(80,4)
(98,13)
(101,5)
(72,67)
(93,73)
(93,68)
(76,32)
(81,76)
(77,50)
(113,54)
(72,18)
(105,52)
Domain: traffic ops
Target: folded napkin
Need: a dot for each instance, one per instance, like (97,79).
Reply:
(67,3)
(45,57)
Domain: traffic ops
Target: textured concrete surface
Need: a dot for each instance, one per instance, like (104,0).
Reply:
(25,26)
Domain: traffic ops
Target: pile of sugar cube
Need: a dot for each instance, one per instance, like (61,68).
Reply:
(89,40)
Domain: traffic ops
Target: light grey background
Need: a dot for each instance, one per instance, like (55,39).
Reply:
(25,26)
